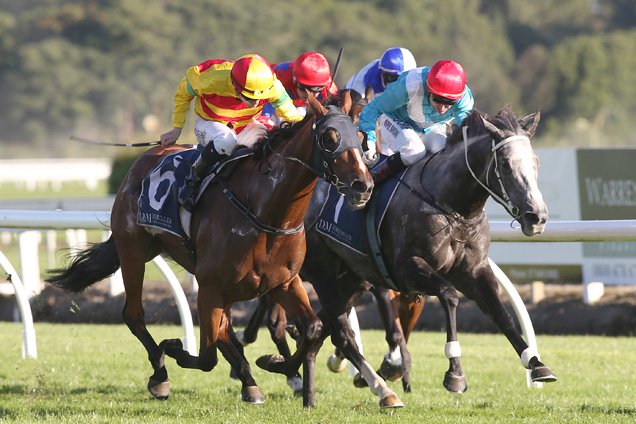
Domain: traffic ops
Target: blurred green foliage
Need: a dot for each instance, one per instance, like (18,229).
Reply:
(101,68)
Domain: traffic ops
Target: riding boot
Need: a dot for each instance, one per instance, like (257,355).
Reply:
(385,170)
(187,193)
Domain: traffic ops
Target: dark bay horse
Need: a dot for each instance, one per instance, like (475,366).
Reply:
(399,313)
(435,238)
(240,252)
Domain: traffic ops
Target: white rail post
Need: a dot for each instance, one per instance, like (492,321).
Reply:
(29,346)
(522,315)
(189,340)
(29,242)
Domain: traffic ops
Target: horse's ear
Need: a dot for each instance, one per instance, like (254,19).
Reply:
(499,135)
(529,123)
(315,106)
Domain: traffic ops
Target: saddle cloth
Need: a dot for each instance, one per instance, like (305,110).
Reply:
(346,226)
(159,202)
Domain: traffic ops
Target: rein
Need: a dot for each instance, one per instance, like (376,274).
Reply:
(254,219)
(505,199)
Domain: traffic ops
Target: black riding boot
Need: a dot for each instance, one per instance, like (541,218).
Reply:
(187,194)
(385,170)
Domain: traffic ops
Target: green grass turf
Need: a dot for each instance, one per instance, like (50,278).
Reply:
(98,374)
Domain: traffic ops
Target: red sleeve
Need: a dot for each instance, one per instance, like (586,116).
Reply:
(209,63)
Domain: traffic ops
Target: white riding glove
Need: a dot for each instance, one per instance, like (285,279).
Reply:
(370,157)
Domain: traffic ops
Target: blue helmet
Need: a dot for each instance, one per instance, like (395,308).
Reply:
(396,60)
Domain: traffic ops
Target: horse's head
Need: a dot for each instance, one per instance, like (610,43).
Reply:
(338,153)
(512,174)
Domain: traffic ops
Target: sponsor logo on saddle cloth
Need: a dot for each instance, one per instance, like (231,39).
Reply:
(347,226)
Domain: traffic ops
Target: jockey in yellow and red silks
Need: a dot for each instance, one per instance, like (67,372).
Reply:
(229,98)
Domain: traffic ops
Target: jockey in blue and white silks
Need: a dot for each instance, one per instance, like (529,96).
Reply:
(374,77)
(413,114)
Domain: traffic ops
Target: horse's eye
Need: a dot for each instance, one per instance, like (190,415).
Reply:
(330,140)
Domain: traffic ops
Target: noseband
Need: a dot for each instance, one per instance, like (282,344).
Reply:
(504,199)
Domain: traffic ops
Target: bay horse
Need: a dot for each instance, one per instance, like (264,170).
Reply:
(241,252)
(435,238)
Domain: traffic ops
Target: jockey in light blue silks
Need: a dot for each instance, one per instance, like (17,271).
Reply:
(413,115)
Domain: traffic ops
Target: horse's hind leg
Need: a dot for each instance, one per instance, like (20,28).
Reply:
(133,266)
(486,295)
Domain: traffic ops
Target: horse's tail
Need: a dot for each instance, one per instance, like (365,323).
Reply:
(88,267)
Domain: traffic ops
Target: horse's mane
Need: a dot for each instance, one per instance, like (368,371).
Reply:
(274,137)
(505,119)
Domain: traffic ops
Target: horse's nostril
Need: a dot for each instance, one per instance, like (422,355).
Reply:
(358,186)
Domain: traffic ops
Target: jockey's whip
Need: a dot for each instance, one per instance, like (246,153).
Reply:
(337,65)
(100,143)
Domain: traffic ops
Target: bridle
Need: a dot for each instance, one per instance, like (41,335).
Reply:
(504,199)
(322,158)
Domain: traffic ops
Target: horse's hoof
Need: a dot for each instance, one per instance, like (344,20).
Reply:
(391,401)
(253,395)
(455,383)
(159,389)
(406,386)
(542,374)
(359,381)
(336,363)
(296,384)
(171,346)
(271,363)
(391,371)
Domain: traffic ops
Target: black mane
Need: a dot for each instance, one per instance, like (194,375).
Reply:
(505,119)
(274,137)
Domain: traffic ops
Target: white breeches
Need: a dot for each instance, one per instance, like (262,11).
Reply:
(225,138)
(397,136)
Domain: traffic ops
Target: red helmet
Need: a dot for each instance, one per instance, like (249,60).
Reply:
(446,79)
(253,77)
(311,69)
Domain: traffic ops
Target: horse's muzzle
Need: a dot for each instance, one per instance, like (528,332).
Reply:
(358,193)
(533,223)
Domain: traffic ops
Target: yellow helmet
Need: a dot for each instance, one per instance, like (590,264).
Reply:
(252,76)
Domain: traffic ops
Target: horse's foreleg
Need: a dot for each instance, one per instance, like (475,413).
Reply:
(454,379)
(343,338)
(233,353)
(486,295)
(211,313)
(294,300)
(392,367)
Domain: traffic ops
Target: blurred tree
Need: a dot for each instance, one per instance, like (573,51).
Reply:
(100,67)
